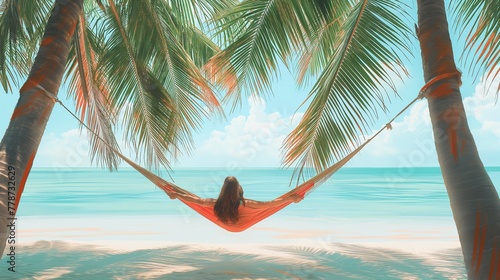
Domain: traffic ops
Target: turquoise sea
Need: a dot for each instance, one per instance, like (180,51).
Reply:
(364,223)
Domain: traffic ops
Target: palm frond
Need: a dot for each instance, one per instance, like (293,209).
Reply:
(482,18)
(318,50)
(350,89)
(268,31)
(185,49)
(199,12)
(91,96)
(199,47)
(21,27)
(152,79)
(178,51)
(130,92)
(99,4)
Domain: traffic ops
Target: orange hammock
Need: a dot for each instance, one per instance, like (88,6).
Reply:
(248,216)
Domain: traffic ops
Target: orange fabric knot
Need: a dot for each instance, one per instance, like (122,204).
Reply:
(441,90)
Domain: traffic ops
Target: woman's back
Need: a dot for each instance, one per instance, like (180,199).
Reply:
(231,210)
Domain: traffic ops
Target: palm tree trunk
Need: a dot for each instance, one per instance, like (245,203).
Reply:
(24,133)
(473,198)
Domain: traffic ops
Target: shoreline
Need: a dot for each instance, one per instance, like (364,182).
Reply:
(416,236)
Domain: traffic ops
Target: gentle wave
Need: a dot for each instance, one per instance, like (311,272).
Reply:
(381,191)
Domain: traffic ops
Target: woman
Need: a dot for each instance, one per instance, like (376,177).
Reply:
(229,200)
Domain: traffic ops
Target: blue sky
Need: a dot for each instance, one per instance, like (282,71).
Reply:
(253,134)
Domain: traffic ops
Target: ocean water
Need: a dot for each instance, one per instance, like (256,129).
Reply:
(363,223)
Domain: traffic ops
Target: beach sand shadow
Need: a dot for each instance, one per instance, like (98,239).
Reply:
(62,260)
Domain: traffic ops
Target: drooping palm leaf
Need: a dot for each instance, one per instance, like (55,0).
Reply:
(153,81)
(350,89)
(198,46)
(267,33)
(180,51)
(21,27)
(199,12)
(318,49)
(174,67)
(482,17)
(130,92)
(90,92)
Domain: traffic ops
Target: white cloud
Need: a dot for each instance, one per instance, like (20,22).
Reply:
(69,149)
(483,106)
(252,140)
(417,117)
(408,144)
(403,134)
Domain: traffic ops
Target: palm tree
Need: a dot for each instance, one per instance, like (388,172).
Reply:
(351,48)
(139,59)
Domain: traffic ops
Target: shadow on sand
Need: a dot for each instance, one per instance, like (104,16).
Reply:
(61,260)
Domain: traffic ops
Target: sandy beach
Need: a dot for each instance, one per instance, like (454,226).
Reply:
(169,247)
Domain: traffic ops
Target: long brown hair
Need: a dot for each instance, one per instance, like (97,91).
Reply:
(230,198)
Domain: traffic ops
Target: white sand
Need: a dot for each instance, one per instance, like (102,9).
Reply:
(413,236)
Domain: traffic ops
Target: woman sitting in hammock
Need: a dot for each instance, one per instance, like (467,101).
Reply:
(230,198)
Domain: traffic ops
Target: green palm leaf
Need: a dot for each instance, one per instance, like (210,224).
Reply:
(184,49)
(267,31)
(198,12)
(349,90)
(152,79)
(91,95)
(198,46)
(131,92)
(318,49)
(21,27)
(482,17)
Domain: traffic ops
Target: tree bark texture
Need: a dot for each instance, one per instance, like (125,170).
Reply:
(473,197)
(29,119)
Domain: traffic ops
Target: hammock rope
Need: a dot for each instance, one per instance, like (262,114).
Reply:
(249,216)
